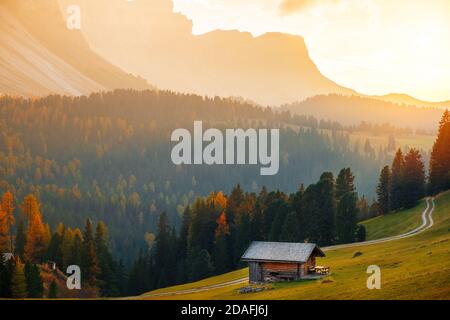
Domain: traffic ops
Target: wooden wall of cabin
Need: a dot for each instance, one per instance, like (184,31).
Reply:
(310,263)
(255,274)
(293,270)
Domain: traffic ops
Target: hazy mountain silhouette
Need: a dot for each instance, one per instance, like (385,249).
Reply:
(41,56)
(147,38)
(411,101)
(352,110)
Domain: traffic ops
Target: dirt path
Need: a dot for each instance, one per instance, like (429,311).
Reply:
(427,222)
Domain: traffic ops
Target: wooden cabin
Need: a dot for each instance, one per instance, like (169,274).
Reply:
(280,261)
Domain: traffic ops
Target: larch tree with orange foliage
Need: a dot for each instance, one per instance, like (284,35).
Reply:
(37,233)
(6,221)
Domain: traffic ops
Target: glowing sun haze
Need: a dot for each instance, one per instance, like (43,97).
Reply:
(372,46)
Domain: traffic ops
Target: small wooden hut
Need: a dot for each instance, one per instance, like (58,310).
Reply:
(280,261)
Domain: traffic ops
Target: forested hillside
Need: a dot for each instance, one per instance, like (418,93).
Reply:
(107,156)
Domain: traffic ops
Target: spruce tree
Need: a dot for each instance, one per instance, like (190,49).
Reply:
(383,195)
(53,290)
(182,246)
(397,189)
(35,286)
(20,240)
(414,179)
(346,217)
(439,173)
(326,209)
(90,268)
(221,255)
(107,277)
(18,281)
(200,264)
(7,269)
(290,229)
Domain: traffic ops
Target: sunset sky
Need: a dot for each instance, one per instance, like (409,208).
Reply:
(372,46)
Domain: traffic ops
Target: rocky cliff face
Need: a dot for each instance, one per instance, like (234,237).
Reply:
(41,56)
(149,39)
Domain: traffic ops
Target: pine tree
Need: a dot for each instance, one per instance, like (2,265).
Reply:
(66,248)
(18,281)
(439,178)
(383,195)
(6,221)
(53,290)
(346,217)
(200,264)
(54,252)
(90,267)
(298,206)
(397,190)
(21,239)
(290,229)
(278,209)
(122,279)
(344,183)
(76,256)
(414,179)
(182,246)
(221,255)
(107,277)
(164,253)
(35,286)
(326,213)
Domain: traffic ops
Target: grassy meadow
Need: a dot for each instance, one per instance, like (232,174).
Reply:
(413,268)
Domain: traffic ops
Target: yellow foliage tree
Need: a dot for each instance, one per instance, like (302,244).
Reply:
(37,233)
(6,221)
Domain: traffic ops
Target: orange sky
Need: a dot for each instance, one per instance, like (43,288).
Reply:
(372,46)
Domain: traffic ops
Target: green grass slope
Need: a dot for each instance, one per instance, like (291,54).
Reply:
(394,223)
(413,268)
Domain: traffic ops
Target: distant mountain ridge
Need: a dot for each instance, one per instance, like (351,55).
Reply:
(149,39)
(405,99)
(352,110)
(40,56)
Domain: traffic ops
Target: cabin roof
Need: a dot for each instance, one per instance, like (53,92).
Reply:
(281,251)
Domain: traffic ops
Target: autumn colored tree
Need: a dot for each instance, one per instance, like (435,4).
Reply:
(6,221)
(37,234)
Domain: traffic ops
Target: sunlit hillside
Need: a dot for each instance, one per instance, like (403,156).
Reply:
(412,268)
